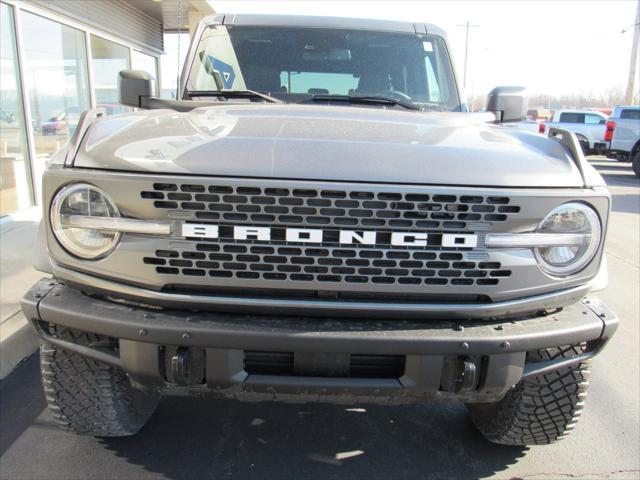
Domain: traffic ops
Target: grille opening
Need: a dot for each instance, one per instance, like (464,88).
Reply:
(286,294)
(359,366)
(376,366)
(165,187)
(268,363)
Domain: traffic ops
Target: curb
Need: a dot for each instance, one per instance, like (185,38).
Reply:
(17,342)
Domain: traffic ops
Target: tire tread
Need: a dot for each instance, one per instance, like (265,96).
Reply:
(90,397)
(539,410)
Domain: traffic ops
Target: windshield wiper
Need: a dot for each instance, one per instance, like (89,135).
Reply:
(365,99)
(233,94)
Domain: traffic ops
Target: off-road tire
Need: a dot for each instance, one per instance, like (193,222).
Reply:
(635,164)
(538,410)
(89,397)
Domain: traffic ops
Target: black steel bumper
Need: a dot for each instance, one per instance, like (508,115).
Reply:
(437,355)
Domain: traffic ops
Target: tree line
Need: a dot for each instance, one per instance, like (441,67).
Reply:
(605,99)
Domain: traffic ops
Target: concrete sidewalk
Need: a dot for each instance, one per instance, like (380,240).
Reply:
(17,238)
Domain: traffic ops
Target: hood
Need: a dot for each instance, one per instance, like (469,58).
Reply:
(320,142)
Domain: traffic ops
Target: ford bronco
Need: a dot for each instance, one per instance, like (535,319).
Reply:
(317,218)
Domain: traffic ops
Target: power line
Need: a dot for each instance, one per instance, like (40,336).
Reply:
(466,49)
(634,57)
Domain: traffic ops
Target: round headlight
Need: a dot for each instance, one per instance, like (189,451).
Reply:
(83,200)
(569,218)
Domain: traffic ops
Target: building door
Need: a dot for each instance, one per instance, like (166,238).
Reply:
(56,75)
(15,181)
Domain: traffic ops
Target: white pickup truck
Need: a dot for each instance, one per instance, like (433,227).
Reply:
(589,126)
(623,133)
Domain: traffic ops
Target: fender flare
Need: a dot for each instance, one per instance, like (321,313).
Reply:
(41,259)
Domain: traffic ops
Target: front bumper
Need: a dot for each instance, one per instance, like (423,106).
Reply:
(437,354)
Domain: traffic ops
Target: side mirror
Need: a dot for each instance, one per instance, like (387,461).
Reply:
(134,86)
(510,104)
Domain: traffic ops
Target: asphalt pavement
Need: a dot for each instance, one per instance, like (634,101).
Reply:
(204,438)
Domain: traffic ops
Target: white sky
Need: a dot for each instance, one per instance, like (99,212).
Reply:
(552,47)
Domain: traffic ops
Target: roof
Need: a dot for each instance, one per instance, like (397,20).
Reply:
(325,22)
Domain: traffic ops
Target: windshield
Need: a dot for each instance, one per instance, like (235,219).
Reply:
(296,64)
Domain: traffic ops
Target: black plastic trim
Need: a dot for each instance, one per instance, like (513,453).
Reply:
(66,306)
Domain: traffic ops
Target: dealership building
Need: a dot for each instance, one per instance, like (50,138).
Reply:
(61,57)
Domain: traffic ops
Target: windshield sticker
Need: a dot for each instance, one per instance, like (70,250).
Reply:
(428,46)
(226,72)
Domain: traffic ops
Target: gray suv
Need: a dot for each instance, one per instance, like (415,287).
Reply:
(318,219)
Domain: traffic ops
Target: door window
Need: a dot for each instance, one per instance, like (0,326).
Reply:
(630,114)
(571,117)
(594,119)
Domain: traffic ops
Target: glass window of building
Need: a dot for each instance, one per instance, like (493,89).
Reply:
(144,62)
(172,61)
(55,73)
(107,60)
(15,184)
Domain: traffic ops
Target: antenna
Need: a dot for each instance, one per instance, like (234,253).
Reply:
(634,57)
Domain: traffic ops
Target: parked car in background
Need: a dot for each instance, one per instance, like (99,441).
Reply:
(588,125)
(539,114)
(7,117)
(68,118)
(55,125)
(623,134)
(528,125)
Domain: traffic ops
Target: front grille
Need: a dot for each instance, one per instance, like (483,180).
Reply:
(329,265)
(340,208)
(352,265)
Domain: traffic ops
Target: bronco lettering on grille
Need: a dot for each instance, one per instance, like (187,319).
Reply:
(314,235)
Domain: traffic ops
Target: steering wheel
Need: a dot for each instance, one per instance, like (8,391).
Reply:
(395,94)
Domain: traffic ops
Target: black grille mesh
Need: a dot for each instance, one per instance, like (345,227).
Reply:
(326,264)
(294,206)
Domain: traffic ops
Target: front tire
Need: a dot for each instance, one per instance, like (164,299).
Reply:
(538,410)
(89,397)
(635,164)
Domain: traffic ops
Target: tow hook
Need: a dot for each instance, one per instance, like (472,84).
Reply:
(459,374)
(179,370)
(466,377)
(186,367)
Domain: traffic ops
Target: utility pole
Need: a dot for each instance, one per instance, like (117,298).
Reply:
(634,57)
(466,49)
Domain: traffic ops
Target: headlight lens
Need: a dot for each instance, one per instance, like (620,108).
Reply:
(569,218)
(88,201)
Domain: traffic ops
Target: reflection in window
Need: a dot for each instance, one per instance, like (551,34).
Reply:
(107,60)
(317,83)
(15,184)
(56,75)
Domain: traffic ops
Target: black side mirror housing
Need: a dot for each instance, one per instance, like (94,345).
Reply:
(510,104)
(135,86)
